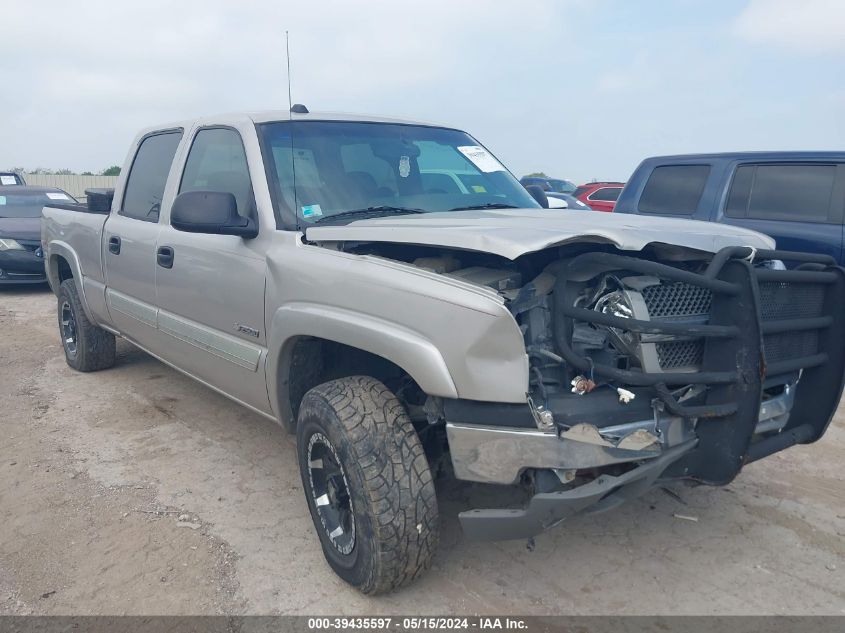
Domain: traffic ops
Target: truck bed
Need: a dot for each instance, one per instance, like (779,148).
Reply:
(74,231)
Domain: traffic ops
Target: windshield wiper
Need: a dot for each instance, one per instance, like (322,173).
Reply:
(489,205)
(370,212)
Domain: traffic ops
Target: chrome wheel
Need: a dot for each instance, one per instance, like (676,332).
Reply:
(330,493)
(68,325)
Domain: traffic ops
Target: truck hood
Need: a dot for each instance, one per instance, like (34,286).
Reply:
(514,232)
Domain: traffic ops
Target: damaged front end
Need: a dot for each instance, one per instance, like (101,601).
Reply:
(654,368)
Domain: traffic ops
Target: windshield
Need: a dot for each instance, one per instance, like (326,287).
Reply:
(562,186)
(29,205)
(329,168)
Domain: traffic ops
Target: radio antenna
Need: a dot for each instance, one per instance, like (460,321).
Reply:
(287,53)
(290,118)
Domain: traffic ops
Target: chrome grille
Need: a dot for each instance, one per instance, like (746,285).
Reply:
(680,354)
(778,301)
(677,300)
(781,300)
(787,345)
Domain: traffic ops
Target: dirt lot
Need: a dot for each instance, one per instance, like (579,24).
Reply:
(137,490)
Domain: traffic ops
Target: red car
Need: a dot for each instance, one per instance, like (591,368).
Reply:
(601,196)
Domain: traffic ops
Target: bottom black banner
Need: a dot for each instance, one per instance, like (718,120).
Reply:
(386,623)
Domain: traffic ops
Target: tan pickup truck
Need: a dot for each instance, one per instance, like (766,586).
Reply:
(390,293)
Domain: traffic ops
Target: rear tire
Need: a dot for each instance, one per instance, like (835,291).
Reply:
(367,483)
(87,347)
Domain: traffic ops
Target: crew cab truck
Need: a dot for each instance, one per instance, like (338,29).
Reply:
(797,198)
(310,267)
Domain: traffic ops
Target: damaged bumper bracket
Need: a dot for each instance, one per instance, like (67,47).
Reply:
(545,510)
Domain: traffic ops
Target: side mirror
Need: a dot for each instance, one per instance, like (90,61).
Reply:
(99,200)
(539,195)
(214,212)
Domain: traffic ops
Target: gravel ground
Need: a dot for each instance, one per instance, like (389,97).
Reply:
(137,490)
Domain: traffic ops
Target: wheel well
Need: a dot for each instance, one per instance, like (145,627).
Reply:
(63,270)
(312,361)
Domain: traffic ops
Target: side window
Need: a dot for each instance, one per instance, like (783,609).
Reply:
(797,193)
(674,189)
(606,193)
(148,176)
(217,162)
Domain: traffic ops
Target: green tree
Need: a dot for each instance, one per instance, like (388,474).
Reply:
(536,174)
(64,172)
(114,170)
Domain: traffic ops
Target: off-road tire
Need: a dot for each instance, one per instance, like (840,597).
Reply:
(394,507)
(93,348)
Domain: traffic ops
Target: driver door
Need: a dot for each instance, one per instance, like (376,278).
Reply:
(210,288)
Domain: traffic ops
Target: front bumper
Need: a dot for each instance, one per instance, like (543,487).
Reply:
(545,510)
(22,266)
(499,454)
(757,320)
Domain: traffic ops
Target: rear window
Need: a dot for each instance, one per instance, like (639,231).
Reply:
(674,189)
(148,176)
(794,193)
(610,194)
(10,179)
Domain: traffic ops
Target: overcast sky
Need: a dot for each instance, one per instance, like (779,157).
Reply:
(579,89)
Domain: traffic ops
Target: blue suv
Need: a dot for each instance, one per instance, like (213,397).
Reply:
(798,198)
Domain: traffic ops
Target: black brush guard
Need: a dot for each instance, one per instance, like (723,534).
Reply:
(764,323)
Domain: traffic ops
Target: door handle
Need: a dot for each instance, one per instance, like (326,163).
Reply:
(164,256)
(114,245)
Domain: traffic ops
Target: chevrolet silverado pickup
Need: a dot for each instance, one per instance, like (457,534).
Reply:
(387,291)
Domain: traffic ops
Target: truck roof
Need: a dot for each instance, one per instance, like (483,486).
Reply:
(266,116)
(24,190)
(764,155)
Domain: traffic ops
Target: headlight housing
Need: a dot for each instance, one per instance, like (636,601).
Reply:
(7,244)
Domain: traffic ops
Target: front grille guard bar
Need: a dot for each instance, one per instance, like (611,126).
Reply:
(708,280)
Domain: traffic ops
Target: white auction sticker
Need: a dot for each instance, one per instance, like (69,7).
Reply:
(481,158)
(57,196)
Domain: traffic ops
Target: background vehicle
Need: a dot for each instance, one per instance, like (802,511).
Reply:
(21,256)
(8,178)
(796,197)
(309,267)
(571,201)
(536,181)
(561,185)
(555,185)
(600,196)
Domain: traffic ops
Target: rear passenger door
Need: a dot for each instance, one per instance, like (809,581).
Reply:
(210,288)
(129,238)
(800,205)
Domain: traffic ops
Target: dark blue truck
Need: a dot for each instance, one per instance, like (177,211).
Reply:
(798,198)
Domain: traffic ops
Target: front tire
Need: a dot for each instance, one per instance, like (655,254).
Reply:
(367,483)
(87,347)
